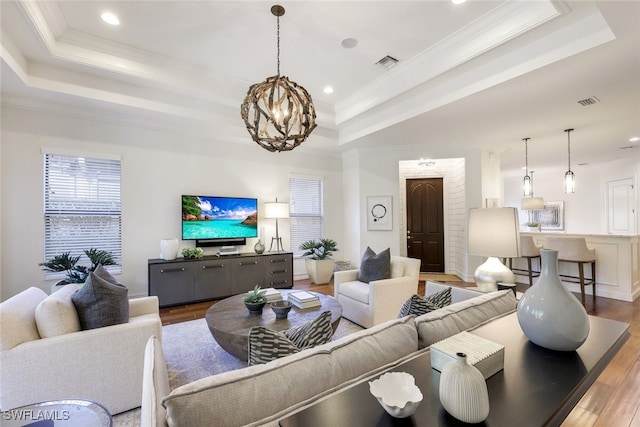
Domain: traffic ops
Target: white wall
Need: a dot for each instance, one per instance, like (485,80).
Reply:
(157,167)
(585,211)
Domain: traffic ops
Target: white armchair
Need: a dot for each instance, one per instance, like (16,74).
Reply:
(369,304)
(104,364)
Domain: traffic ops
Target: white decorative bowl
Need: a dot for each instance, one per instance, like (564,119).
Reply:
(397,393)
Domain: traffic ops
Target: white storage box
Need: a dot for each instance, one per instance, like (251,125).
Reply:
(485,355)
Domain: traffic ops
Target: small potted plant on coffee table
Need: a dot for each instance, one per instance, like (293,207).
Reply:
(255,300)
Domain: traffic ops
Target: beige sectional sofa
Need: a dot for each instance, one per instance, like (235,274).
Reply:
(45,356)
(263,394)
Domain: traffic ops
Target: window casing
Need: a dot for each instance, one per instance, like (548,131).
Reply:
(306,200)
(82,207)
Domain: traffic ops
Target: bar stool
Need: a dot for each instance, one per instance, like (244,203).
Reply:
(574,249)
(529,251)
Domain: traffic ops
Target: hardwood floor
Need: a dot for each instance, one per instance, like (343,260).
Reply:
(612,401)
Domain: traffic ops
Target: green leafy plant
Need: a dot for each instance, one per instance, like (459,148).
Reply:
(319,249)
(69,264)
(192,252)
(533,224)
(256,296)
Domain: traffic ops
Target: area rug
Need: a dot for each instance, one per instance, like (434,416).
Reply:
(191,353)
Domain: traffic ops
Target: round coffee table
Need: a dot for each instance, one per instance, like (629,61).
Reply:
(230,322)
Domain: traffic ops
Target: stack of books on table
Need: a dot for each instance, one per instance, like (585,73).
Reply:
(272,295)
(303,299)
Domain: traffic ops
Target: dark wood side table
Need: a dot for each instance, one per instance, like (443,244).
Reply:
(538,387)
(230,322)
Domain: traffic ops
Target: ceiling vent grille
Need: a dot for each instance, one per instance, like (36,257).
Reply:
(588,101)
(388,62)
(630,147)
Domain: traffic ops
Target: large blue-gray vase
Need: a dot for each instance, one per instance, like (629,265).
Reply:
(549,315)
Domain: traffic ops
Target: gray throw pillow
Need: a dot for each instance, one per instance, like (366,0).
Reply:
(101,301)
(375,266)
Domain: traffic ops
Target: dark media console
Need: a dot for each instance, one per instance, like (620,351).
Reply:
(184,281)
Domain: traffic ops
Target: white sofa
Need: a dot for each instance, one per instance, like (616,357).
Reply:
(104,365)
(264,394)
(369,304)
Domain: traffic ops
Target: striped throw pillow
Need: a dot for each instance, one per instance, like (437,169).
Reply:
(266,345)
(418,305)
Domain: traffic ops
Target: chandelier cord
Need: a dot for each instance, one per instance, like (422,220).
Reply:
(278,43)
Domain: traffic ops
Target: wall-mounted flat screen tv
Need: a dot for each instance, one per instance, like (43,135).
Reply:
(219,218)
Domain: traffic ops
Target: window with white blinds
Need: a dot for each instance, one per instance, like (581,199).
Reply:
(305,210)
(82,207)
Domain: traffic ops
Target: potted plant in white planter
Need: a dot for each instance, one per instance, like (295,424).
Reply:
(319,262)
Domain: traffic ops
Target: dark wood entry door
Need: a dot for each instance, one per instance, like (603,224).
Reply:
(425,223)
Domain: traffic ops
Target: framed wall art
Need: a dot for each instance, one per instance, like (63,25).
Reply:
(379,213)
(551,217)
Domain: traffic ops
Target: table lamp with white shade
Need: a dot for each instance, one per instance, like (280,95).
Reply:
(493,233)
(276,210)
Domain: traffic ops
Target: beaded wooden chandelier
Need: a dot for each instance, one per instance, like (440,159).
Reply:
(279,113)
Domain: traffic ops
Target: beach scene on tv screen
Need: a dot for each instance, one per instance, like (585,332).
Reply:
(218,217)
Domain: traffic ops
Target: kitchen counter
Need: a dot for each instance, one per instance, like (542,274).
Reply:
(617,264)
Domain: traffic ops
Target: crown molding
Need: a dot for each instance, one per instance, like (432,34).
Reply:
(503,23)
(574,33)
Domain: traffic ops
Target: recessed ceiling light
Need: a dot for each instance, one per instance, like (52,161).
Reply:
(349,43)
(634,139)
(328,90)
(110,18)
(458,1)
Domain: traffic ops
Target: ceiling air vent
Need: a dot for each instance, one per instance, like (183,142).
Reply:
(588,101)
(388,62)
(630,147)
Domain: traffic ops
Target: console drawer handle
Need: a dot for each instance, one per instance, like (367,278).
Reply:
(212,266)
(278,271)
(278,260)
(244,264)
(284,282)
(171,270)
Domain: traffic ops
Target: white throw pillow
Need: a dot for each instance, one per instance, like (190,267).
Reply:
(57,315)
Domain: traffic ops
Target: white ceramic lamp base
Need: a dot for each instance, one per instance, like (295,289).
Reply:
(492,271)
